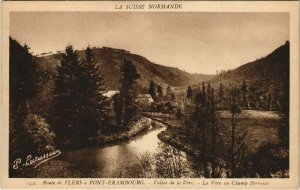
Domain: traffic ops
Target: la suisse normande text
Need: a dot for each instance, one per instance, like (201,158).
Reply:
(149,6)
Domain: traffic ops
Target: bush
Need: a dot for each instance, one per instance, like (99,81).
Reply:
(271,158)
(33,136)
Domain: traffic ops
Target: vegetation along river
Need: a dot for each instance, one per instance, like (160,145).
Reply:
(142,156)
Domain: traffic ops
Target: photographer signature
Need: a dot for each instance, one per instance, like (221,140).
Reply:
(35,161)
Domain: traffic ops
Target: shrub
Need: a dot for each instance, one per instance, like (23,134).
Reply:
(33,136)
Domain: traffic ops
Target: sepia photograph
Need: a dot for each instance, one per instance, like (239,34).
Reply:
(100,98)
(149,95)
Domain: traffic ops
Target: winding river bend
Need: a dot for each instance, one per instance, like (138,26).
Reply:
(111,161)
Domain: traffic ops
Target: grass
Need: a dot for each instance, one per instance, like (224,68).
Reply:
(261,126)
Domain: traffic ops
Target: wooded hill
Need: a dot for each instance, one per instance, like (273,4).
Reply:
(110,60)
(270,73)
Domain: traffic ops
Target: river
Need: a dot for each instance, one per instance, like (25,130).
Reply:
(121,160)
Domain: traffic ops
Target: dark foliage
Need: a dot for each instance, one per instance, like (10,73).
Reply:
(95,106)
(159,92)
(24,79)
(28,133)
(189,92)
(128,95)
(65,108)
(152,91)
(79,109)
(271,158)
(118,107)
(220,94)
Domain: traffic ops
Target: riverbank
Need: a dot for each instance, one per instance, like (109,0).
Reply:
(135,129)
(173,137)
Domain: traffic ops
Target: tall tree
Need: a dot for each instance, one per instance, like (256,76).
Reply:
(208,91)
(220,95)
(253,94)
(189,92)
(200,116)
(24,79)
(152,91)
(234,102)
(129,107)
(80,108)
(66,106)
(118,108)
(203,95)
(168,94)
(95,106)
(160,92)
(244,89)
(214,133)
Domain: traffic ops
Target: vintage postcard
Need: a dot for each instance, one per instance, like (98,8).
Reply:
(160,95)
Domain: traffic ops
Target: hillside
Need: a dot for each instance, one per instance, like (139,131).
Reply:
(110,60)
(268,72)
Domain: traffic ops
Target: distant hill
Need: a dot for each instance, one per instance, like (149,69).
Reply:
(267,73)
(110,61)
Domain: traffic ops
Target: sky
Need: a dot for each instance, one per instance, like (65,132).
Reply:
(194,42)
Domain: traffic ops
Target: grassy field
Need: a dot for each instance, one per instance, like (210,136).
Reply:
(263,154)
(261,126)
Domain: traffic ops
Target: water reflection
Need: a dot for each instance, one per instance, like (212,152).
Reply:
(145,156)
(116,160)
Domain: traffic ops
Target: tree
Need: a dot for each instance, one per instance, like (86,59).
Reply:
(128,95)
(35,134)
(130,74)
(179,115)
(201,118)
(244,89)
(270,102)
(189,92)
(95,106)
(152,91)
(234,101)
(214,134)
(253,94)
(28,132)
(168,94)
(203,95)
(80,108)
(24,81)
(198,115)
(221,93)
(214,126)
(173,97)
(66,107)
(208,90)
(160,92)
(188,123)
(118,107)
(285,96)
